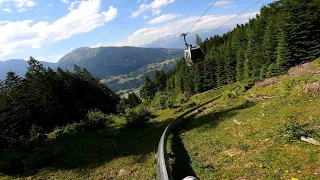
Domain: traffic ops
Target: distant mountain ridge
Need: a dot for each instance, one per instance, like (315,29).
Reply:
(112,61)
(19,66)
(102,62)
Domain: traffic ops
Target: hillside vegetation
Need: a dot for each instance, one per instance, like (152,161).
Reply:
(284,34)
(68,125)
(249,135)
(255,135)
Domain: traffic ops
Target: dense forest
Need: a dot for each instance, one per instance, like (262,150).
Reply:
(284,34)
(44,99)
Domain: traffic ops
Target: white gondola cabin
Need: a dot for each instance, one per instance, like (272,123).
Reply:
(192,55)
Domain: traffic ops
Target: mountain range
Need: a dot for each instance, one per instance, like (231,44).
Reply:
(19,66)
(103,62)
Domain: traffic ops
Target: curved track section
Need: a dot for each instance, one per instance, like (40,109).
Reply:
(164,172)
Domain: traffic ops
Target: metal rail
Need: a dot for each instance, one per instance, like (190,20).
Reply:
(164,172)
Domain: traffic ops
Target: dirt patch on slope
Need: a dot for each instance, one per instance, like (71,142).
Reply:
(313,87)
(303,70)
(265,83)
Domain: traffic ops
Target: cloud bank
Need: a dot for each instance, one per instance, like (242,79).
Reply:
(20,35)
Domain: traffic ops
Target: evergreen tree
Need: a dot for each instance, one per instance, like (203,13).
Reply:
(282,55)
(199,79)
(133,100)
(198,40)
(148,88)
(160,80)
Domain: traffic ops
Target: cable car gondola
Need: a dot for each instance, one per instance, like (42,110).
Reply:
(192,54)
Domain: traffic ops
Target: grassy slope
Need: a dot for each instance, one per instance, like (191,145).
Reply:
(210,144)
(115,153)
(258,148)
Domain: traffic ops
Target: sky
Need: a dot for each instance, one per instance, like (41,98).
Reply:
(49,29)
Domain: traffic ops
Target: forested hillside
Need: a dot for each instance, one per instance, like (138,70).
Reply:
(45,98)
(284,34)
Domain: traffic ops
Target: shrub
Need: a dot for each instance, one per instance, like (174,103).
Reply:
(137,117)
(181,99)
(170,102)
(293,131)
(159,100)
(35,132)
(70,128)
(96,120)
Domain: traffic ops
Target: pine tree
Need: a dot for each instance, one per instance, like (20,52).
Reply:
(199,79)
(248,55)
(282,55)
(160,80)
(198,40)
(148,88)
(210,80)
(133,100)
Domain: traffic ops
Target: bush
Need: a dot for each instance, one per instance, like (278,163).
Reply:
(181,99)
(170,102)
(70,128)
(95,121)
(137,117)
(293,131)
(35,132)
(160,100)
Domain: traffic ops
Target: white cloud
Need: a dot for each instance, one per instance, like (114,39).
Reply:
(4,22)
(145,17)
(46,17)
(147,35)
(8,10)
(21,5)
(163,18)
(72,5)
(22,10)
(155,7)
(140,1)
(53,58)
(50,5)
(223,3)
(65,1)
(20,35)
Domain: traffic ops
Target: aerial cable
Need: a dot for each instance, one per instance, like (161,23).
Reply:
(191,30)
(218,27)
(201,17)
(236,16)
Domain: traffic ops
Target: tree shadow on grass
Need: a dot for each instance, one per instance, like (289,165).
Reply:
(181,166)
(84,150)
(213,119)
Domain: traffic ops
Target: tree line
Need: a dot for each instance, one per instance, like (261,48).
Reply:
(284,34)
(45,99)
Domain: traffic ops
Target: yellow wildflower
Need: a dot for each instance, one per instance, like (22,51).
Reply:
(287,171)
(294,179)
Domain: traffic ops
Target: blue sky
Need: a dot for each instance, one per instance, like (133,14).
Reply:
(49,29)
